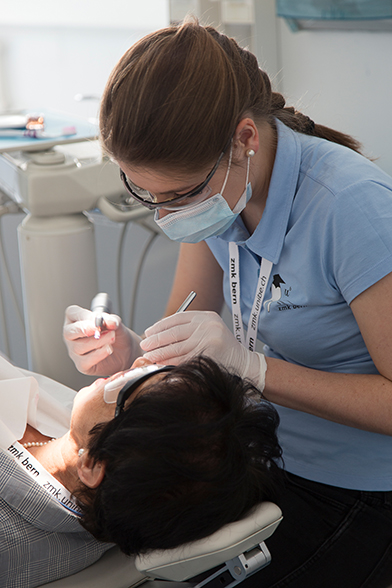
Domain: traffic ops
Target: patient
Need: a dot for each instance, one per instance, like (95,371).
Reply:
(193,449)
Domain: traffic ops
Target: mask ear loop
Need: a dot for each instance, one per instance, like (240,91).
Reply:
(249,153)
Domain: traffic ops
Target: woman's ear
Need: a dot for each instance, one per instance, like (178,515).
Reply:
(90,473)
(246,136)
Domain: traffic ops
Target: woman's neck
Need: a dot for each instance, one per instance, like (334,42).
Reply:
(261,167)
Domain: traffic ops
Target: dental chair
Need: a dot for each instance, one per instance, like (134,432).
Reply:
(231,554)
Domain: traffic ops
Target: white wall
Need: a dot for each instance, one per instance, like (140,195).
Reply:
(116,14)
(342,79)
(46,67)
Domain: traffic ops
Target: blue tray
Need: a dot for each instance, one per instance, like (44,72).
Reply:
(55,123)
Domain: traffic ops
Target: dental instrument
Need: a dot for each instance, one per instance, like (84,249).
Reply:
(101,303)
(190,298)
(112,388)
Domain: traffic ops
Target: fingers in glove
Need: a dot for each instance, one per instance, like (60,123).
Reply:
(175,334)
(89,362)
(87,344)
(86,327)
(169,322)
(172,354)
(79,330)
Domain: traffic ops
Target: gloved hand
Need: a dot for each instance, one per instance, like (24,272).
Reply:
(184,335)
(114,351)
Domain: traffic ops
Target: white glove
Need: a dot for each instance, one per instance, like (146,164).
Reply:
(184,335)
(114,351)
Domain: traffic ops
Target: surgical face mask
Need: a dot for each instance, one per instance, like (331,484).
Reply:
(208,218)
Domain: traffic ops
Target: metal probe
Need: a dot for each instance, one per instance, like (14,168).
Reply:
(187,302)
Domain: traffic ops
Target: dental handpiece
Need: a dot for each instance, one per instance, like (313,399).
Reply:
(101,303)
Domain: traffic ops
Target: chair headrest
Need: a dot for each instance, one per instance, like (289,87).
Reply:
(230,541)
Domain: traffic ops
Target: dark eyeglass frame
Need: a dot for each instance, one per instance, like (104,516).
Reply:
(190,194)
(131,386)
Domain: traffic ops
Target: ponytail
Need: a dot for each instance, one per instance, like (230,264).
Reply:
(303,124)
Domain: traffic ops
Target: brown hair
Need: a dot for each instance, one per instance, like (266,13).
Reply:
(176,97)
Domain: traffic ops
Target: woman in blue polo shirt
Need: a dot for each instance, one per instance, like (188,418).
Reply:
(285,221)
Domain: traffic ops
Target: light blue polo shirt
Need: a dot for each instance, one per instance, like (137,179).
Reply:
(327,228)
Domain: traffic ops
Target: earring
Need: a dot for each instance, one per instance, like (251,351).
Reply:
(250,153)
(80,452)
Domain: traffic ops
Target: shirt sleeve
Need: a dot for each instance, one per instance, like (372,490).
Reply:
(359,238)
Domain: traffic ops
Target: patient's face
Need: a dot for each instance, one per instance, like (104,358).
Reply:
(90,408)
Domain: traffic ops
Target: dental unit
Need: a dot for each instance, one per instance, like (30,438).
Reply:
(55,181)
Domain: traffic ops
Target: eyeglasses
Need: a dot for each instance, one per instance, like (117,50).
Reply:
(141,375)
(149,200)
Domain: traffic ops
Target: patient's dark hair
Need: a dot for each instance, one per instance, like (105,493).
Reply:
(195,451)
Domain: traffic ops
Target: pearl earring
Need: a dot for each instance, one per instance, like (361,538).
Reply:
(80,452)
(250,153)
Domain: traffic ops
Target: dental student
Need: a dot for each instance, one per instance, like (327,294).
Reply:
(288,223)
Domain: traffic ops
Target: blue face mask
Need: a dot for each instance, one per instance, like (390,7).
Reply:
(208,218)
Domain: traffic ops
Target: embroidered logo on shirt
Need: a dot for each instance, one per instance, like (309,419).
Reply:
(280,293)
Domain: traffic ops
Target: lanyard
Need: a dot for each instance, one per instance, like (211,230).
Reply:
(264,275)
(37,472)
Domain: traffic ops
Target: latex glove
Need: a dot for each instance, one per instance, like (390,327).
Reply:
(114,351)
(184,335)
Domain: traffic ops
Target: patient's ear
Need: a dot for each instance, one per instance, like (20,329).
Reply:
(90,473)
